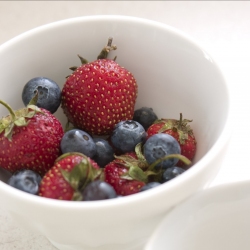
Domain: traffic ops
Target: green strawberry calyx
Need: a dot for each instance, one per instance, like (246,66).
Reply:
(81,175)
(102,55)
(180,126)
(140,170)
(18,118)
(132,164)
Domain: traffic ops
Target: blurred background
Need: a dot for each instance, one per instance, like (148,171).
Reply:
(220,27)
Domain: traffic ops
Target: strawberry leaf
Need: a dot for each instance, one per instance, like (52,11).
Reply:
(81,175)
(78,175)
(126,177)
(69,178)
(83,61)
(20,122)
(9,131)
(30,114)
(142,163)
(35,108)
(138,151)
(2,127)
(137,174)
(126,160)
(167,125)
(16,118)
(183,136)
(73,68)
(77,196)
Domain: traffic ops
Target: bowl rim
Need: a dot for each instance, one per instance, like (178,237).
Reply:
(222,140)
(215,194)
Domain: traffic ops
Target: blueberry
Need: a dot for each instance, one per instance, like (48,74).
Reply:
(25,180)
(171,173)
(145,116)
(104,152)
(98,190)
(127,134)
(161,145)
(76,140)
(150,185)
(49,93)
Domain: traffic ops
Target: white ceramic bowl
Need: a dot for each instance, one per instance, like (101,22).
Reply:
(217,218)
(174,75)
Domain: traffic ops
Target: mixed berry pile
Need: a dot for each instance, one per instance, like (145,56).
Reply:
(106,150)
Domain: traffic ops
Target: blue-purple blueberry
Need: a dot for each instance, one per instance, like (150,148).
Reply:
(145,116)
(49,93)
(76,140)
(150,185)
(171,173)
(104,152)
(127,134)
(160,145)
(26,180)
(98,190)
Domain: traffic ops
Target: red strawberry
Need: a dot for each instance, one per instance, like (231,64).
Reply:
(117,175)
(98,95)
(181,131)
(129,172)
(29,139)
(68,177)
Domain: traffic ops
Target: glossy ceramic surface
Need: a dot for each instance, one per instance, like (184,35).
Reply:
(217,219)
(174,75)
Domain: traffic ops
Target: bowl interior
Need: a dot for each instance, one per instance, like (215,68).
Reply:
(174,75)
(217,218)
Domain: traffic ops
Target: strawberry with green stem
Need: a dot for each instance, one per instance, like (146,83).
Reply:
(99,94)
(129,172)
(29,139)
(69,176)
(181,131)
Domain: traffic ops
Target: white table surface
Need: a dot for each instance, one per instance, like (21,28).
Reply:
(221,28)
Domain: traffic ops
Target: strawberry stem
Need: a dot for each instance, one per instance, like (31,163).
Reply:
(178,156)
(105,51)
(138,151)
(12,113)
(180,121)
